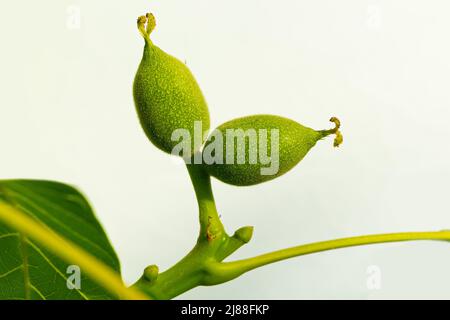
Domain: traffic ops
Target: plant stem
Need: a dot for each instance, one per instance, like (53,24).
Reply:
(203,264)
(229,270)
(189,272)
(68,251)
(213,244)
(211,228)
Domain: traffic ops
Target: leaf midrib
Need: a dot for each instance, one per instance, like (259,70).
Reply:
(56,221)
(23,243)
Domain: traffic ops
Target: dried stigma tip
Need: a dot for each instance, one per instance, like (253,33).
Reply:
(151,22)
(339,138)
(141,21)
(146,24)
(336,122)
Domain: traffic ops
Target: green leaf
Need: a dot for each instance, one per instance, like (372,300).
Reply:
(30,271)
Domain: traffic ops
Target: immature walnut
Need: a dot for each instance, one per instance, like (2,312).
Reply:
(166,94)
(259,148)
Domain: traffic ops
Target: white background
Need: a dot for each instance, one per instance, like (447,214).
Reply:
(382,67)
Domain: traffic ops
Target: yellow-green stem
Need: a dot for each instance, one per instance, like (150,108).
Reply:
(211,227)
(226,271)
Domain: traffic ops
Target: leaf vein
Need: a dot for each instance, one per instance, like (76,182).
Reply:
(8,235)
(7,273)
(32,245)
(38,292)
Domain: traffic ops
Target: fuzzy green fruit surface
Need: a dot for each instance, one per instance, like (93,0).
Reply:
(294,142)
(166,94)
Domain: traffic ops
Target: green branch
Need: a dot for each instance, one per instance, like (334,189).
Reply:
(225,271)
(204,266)
(211,228)
(213,244)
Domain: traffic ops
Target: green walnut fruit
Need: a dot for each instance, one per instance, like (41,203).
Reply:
(254,149)
(167,96)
